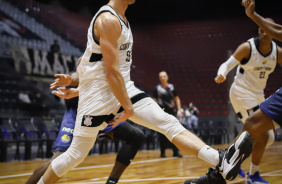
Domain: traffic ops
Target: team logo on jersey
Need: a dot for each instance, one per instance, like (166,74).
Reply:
(65,138)
(124,46)
(87,120)
(264,62)
(262,68)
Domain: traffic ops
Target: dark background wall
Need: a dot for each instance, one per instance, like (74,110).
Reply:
(150,11)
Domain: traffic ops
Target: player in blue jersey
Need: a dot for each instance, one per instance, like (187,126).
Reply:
(132,136)
(269,114)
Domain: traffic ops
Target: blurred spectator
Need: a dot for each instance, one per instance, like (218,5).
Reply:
(32,103)
(193,119)
(55,47)
(186,114)
(24,97)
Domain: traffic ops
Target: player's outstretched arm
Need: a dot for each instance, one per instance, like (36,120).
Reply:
(275,30)
(242,52)
(108,30)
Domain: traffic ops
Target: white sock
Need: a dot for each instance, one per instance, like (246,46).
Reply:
(253,169)
(209,155)
(40,181)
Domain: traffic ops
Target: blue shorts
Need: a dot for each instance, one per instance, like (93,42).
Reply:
(273,107)
(65,135)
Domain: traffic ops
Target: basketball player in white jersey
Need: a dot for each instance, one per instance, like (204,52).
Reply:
(256,59)
(107,95)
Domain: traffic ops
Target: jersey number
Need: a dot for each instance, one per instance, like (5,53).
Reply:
(261,75)
(129,55)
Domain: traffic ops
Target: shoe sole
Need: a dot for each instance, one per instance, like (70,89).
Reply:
(244,144)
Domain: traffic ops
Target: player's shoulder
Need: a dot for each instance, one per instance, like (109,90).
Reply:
(245,45)
(244,49)
(107,19)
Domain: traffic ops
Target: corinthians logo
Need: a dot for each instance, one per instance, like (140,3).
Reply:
(87,121)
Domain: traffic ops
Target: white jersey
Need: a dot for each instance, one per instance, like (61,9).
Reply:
(96,99)
(252,74)
(92,63)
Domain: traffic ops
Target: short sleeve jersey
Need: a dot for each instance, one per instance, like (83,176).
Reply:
(165,97)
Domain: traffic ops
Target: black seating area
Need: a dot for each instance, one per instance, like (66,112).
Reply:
(212,132)
(33,137)
(9,136)
(26,133)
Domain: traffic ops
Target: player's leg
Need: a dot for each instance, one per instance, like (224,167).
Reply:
(245,104)
(149,114)
(267,118)
(39,171)
(175,151)
(75,154)
(133,139)
(61,144)
(259,125)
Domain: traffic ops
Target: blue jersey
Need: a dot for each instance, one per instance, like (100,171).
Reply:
(273,106)
(65,135)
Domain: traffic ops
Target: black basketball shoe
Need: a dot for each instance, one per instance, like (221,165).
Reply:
(231,159)
(212,177)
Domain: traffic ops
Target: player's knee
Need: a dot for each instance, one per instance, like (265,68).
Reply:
(271,138)
(62,164)
(130,134)
(135,137)
(249,125)
(71,158)
(173,127)
(138,138)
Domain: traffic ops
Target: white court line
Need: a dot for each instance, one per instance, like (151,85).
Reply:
(132,163)
(101,166)
(138,180)
(15,175)
(173,178)
(144,161)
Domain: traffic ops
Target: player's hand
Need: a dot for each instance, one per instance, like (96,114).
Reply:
(66,93)
(249,7)
(61,80)
(219,79)
(124,115)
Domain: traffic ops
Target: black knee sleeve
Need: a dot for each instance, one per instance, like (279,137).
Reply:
(133,139)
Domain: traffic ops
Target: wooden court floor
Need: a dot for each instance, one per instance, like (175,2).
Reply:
(146,168)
